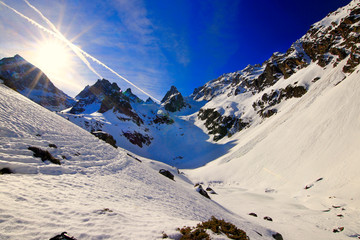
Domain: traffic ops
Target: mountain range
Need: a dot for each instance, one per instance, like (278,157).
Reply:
(283,133)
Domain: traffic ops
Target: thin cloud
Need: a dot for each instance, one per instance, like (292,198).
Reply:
(79,52)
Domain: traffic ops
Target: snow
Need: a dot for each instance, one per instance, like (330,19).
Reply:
(316,136)
(98,192)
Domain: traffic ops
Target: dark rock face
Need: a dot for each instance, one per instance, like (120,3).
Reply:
(265,105)
(173,100)
(137,138)
(108,138)
(336,42)
(220,125)
(132,97)
(44,155)
(200,190)
(93,94)
(31,82)
(108,96)
(166,173)
(149,101)
(163,119)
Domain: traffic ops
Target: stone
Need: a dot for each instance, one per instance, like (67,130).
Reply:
(166,173)
(44,155)
(107,137)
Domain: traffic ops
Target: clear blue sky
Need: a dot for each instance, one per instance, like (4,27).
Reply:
(159,43)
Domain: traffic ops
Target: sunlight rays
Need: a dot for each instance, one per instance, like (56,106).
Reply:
(78,51)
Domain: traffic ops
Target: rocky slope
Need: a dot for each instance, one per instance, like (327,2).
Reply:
(224,106)
(263,87)
(31,82)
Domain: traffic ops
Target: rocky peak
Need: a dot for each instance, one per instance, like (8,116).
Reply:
(149,100)
(173,100)
(24,77)
(132,97)
(100,89)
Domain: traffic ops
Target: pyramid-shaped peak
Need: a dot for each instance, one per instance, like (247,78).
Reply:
(173,91)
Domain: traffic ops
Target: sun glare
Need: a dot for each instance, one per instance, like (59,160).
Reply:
(53,57)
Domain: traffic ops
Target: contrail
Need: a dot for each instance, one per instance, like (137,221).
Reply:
(51,33)
(63,38)
(78,51)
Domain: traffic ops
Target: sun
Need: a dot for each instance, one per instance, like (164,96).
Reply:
(52,56)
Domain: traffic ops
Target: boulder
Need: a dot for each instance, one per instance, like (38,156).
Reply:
(5,171)
(200,190)
(166,173)
(44,155)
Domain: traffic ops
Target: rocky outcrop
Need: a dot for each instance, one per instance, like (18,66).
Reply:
(218,125)
(265,105)
(201,190)
(137,138)
(94,94)
(31,82)
(108,138)
(44,155)
(330,42)
(167,174)
(132,97)
(173,101)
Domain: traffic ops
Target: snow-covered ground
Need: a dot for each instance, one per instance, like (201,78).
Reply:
(312,142)
(98,192)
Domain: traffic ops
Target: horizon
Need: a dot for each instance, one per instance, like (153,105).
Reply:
(153,45)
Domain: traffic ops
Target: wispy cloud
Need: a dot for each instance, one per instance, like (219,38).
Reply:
(79,52)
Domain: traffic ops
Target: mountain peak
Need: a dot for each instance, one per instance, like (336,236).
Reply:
(173,100)
(30,81)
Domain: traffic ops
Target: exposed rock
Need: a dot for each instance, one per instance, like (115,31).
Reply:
(339,229)
(44,155)
(137,159)
(210,190)
(166,173)
(94,94)
(277,236)
(163,119)
(253,214)
(63,236)
(149,101)
(5,171)
(200,190)
(24,77)
(52,145)
(173,100)
(107,137)
(219,125)
(268,101)
(268,218)
(137,138)
(132,97)
(119,103)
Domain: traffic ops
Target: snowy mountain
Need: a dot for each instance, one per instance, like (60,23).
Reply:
(278,143)
(241,99)
(31,82)
(95,191)
(227,105)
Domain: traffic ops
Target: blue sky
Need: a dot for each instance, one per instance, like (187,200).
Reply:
(159,43)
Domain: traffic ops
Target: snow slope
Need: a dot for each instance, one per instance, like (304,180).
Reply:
(312,143)
(98,192)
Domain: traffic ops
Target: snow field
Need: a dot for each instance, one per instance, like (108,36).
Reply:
(98,192)
(316,136)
